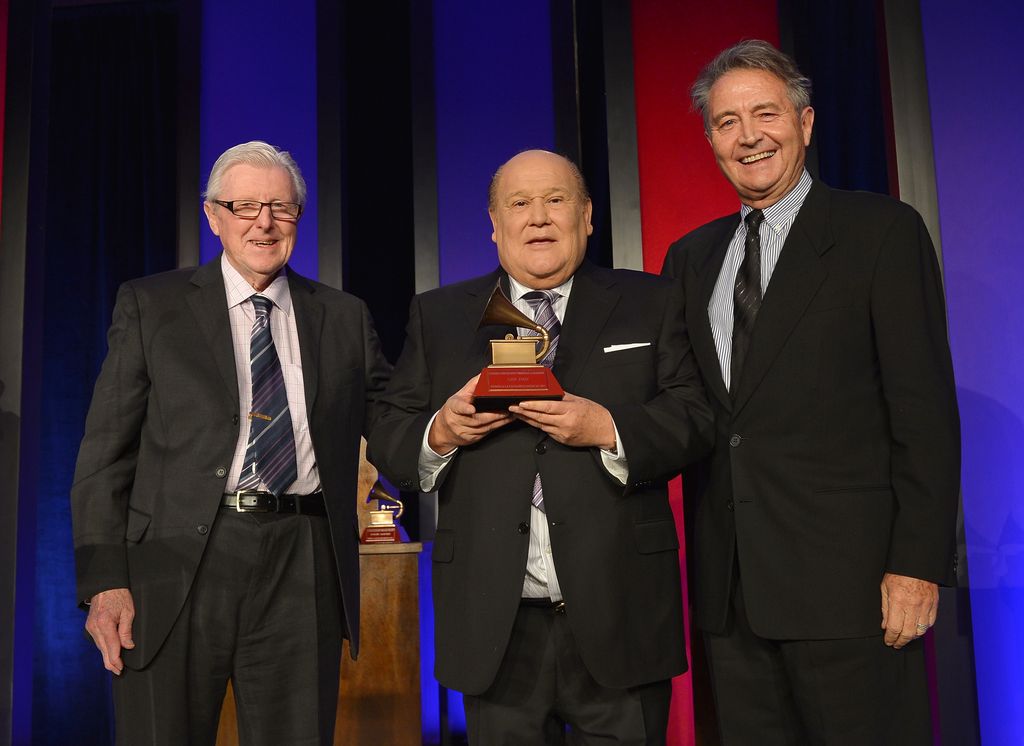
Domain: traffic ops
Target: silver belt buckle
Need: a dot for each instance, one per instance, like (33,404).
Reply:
(253,506)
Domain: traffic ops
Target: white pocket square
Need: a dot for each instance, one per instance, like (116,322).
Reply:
(627,346)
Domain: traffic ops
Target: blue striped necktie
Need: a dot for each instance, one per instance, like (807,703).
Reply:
(270,455)
(541,301)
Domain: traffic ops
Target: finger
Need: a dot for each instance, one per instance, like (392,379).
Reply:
(109,645)
(124,631)
(539,406)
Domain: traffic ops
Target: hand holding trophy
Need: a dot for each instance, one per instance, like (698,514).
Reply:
(515,374)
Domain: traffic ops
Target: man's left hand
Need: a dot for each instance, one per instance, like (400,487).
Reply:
(909,608)
(573,421)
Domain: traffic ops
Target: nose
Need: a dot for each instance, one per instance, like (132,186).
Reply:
(750,133)
(265,218)
(538,214)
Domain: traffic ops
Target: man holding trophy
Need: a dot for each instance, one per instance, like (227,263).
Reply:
(555,562)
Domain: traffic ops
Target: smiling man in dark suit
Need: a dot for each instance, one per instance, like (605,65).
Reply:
(223,433)
(825,517)
(556,568)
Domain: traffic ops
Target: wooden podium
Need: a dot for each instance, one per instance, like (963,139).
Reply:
(379,698)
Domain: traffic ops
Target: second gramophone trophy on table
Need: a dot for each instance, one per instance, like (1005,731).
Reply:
(515,373)
(383,528)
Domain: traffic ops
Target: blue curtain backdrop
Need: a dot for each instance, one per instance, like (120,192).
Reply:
(836,44)
(111,216)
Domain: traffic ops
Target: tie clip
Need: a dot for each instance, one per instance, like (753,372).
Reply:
(260,416)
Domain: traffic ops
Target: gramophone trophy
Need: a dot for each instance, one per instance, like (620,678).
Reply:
(515,373)
(383,528)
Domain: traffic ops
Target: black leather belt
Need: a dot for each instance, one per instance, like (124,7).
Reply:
(543,603)
(257,501)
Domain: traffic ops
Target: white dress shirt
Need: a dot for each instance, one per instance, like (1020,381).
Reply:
(541,580)
(242,315)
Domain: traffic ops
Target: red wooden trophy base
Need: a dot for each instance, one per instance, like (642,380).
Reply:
(501,386)
(380,535)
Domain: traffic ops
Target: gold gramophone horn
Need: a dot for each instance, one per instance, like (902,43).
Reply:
(377,492)
(501,311)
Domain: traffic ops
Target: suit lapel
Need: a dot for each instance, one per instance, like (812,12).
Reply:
(209,303)
(591,300)
(700,332)
(309,322)
(795,281)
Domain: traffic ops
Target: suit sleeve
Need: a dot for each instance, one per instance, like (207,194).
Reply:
(909,318)
(394,446)
(377,372)
(107,459)
(675,426)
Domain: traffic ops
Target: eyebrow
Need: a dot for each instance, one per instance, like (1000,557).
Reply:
(756,107)
(549,192)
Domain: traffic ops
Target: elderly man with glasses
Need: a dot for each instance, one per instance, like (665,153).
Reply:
(213,497)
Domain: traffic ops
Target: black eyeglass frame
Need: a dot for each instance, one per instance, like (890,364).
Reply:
(231,208)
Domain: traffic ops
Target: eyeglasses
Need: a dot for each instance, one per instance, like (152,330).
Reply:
(250,209)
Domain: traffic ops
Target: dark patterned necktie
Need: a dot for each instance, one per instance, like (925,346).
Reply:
(746,296)
(544,314)
(270,455)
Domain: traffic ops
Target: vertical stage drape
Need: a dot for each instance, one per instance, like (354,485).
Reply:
(680,185)
(110,207)
(974,81)
(258,82)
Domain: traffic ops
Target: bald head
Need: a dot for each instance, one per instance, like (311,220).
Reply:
(581,184)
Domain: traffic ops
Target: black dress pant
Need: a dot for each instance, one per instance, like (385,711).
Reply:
(265,612)
(846,692)
(544,695)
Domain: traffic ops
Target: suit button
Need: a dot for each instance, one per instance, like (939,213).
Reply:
(541,449)
(735,440)
(221,471)
(524,528)
(729,505)
(202,529)
(234,420)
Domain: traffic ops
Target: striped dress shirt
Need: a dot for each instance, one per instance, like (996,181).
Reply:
(778,219)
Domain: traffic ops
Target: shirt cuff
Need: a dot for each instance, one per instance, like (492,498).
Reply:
(614,461)
(431,464)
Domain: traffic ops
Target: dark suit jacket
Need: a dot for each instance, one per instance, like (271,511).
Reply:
(615,548)
(163,425)
(837,459)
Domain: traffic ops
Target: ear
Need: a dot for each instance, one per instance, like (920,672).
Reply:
(211,217)
(494,226)
(807,124)
(588,210)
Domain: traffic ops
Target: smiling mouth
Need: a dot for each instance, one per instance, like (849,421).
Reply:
(264,243)
(757,157)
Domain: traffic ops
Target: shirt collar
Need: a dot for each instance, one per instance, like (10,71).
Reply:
(786,208)
(518,290)
(239,291)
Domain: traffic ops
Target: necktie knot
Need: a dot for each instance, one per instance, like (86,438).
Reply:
(262,304)
(753,222)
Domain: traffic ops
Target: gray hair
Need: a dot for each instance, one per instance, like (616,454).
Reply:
(258,154)
(581,183)
(752,54)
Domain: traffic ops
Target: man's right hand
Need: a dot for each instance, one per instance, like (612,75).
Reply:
(110,625)
(459,424)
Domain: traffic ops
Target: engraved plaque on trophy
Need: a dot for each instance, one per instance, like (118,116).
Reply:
(515,373)
(383,528)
